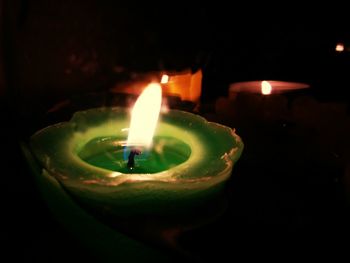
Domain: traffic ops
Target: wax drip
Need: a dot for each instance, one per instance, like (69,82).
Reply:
(131,158)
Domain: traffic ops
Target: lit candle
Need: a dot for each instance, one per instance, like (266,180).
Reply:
(255,101)
(186,163)
(265,87)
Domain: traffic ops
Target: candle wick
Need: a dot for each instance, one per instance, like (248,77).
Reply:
(131,158)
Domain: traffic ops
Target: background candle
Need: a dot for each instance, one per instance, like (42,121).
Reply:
(257,87)
(264,101)
(181,89)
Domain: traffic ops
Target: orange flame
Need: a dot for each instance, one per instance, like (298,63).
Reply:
(266,88)
(339,47)
(165,79)
(144,116)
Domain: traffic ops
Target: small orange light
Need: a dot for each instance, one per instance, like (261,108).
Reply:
(266,88)
(165,79)
(339,47)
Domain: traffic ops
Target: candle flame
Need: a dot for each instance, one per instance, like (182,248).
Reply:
(144,116)
(339,47)
(266,88)
(165,79)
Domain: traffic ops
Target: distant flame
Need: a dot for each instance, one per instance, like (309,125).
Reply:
(339,47)
(144,116)
(165,79)
(265,88)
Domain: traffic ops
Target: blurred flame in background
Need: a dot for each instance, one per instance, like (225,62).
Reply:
(266,88)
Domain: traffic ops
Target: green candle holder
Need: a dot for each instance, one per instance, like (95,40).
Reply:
(84,162)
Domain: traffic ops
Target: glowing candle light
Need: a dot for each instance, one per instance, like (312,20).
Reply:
(339,47)
(80,166)
(188,160)
(164,79)
(266,88)
(144,116)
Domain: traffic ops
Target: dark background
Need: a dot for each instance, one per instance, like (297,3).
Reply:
(285,201)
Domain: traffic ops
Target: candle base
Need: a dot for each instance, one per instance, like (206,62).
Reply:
(114,238)
(108,245)
(178,177)
(185,192)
